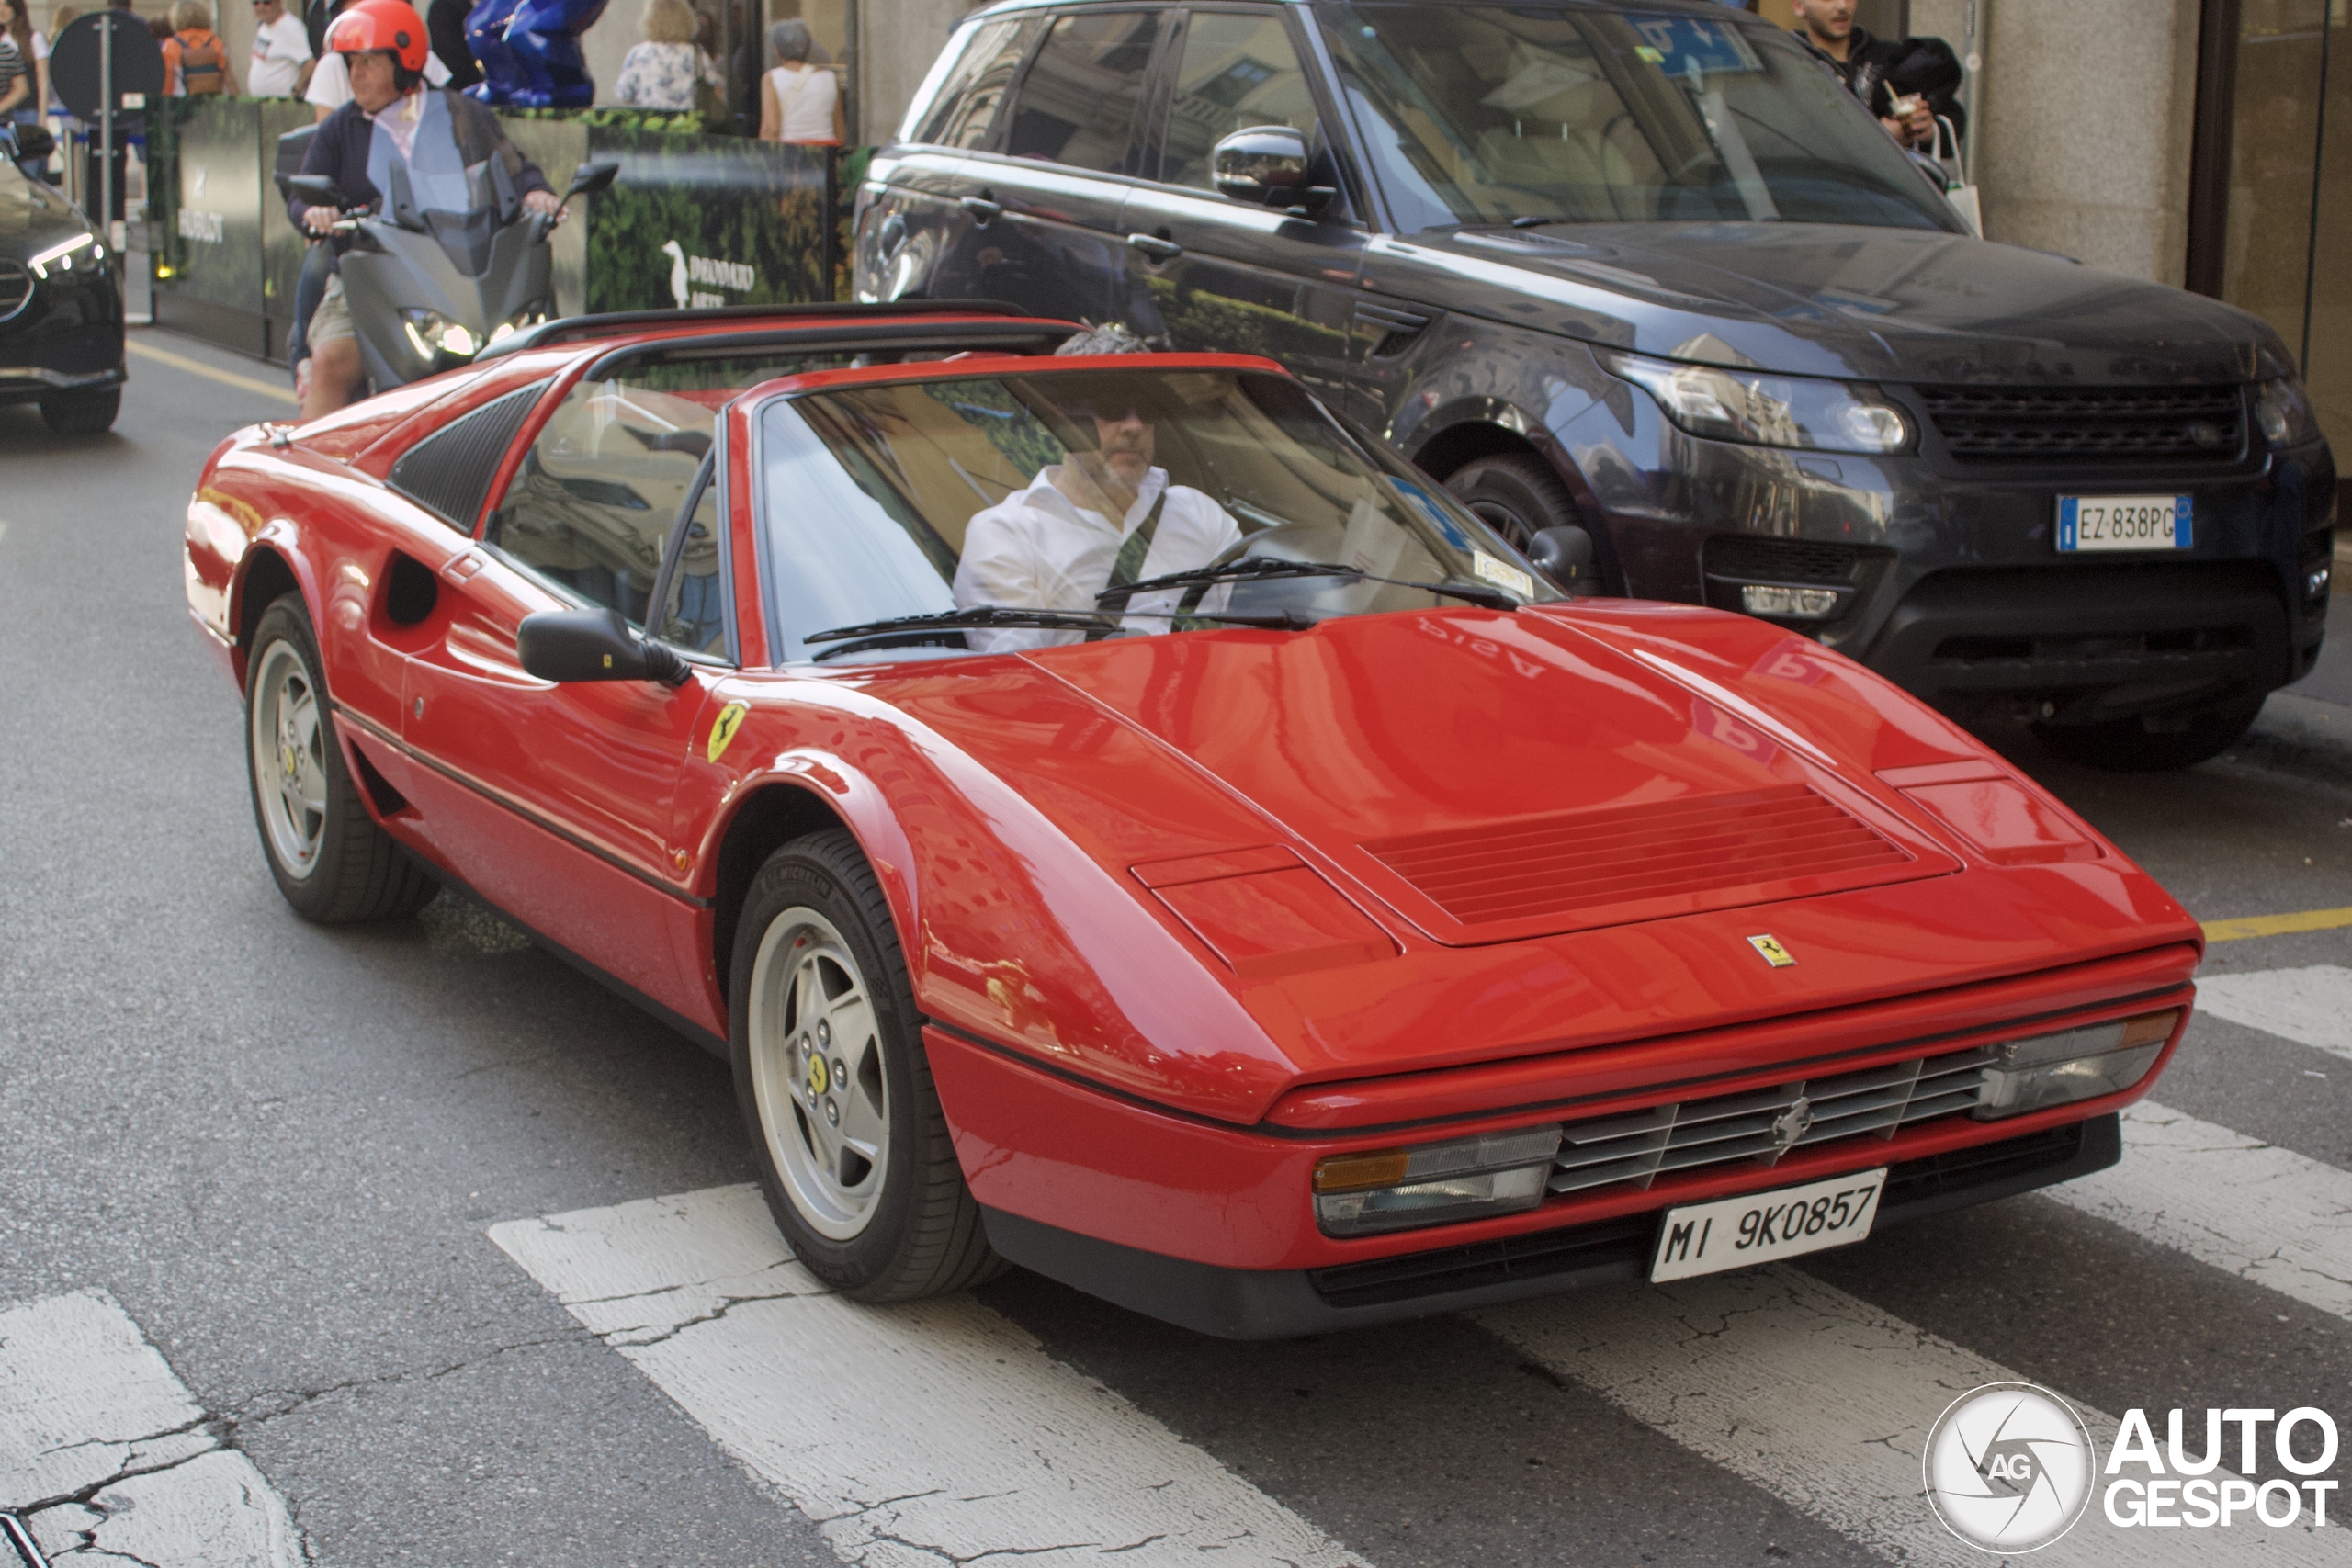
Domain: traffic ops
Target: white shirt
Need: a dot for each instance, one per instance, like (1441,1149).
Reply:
(279,50)
(804,103)
(1035,550)
(331,82)
(399,120)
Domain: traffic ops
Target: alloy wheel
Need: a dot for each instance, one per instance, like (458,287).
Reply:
(289,759)
(816,1059)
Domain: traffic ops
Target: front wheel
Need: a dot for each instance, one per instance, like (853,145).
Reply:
(854,1150)
(2152,745)
(1515,494)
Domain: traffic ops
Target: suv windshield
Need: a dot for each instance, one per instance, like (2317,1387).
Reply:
(1474,114)
(1040,498)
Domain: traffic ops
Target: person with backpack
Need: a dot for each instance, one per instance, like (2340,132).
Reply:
(196,63)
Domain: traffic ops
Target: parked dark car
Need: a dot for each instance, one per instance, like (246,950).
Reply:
(1650,270)
(61,306)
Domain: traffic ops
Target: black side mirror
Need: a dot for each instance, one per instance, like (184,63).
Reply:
(1564,555)
(35,141)
(1266,165)
(315,189)
(590,178)
(593,645)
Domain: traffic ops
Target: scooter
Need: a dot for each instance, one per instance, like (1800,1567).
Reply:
(445,265)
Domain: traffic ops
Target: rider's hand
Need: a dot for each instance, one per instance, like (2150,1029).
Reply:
(541,201)
(319,220)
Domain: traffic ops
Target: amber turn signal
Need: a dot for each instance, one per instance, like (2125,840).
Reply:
(1353,1173)
(2149,1028)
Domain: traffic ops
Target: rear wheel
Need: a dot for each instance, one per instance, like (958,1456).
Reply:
(1515,494)
(2152,745)
(854,1150)
(82,413)
(329,859)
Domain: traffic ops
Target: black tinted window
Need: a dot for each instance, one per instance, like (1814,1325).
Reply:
(1238,70)
(1078,102)
(966,107)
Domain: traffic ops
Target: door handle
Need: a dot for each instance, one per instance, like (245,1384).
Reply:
(980,206)
(1154,247)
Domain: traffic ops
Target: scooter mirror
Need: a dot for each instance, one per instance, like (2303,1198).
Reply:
(316,190)
(594,177)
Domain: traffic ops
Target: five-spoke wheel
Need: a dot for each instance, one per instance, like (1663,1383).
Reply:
(816,1071)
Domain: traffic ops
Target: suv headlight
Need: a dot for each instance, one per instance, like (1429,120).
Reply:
(2284,415)
(430,333)
(1763,410)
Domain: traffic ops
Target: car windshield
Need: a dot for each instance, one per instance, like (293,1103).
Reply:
(1044,496)
(1476,114)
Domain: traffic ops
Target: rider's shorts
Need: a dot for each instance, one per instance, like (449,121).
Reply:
(334,318)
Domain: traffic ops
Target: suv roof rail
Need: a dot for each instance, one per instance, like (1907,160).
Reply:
(581,329)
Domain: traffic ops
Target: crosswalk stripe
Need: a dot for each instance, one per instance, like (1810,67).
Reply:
(1826,1402)
(912,1434)
(109,1457)
(2312,1005)
(2260,1212)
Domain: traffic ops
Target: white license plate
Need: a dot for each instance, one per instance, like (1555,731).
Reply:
(2124,522)
(1733,1233)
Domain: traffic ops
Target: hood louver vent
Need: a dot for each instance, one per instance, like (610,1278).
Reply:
(1579,859)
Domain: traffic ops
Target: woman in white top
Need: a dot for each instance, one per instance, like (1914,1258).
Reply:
(799,102)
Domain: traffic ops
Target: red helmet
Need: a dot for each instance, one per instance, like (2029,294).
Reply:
(380,24)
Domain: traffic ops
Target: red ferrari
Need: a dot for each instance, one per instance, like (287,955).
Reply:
(1117,820)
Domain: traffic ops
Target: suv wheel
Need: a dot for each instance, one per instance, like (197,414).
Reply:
(1515,494)
(2152,745)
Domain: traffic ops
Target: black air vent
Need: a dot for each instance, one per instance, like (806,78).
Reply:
(1780,560)
(449,471)
(2088,424)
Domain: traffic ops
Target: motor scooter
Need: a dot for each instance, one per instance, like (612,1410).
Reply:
(446,264)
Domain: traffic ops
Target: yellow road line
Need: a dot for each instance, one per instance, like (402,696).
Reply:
(198,368)
(2276,925)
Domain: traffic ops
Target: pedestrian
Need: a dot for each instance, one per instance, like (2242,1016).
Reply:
(662,73)
(19,100)
(282,63)
(799,103)
(1909,84)
(444,28)
(196,63)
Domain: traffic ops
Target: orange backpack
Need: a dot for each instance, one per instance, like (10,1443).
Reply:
(201,58)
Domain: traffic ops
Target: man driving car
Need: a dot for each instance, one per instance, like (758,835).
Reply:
(1087,527)
(383,45)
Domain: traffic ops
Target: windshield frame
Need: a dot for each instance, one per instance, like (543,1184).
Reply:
(754,406)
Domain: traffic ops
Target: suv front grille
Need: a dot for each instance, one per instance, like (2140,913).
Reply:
(2019,425)
(1764,1124)
(1780,560)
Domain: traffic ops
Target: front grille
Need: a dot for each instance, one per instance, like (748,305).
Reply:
(1583,860)
(1764,1124)
(2127,645)
(1782,560)
(15,287)
(2016,425)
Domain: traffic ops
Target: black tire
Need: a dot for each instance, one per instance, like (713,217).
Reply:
(343,867)
(1515,494)
(2131,746)
(918,1231)
(82,413)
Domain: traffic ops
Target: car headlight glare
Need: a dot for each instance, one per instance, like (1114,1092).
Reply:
(2075,1063)
(81,253)
(431,335)
(2284,415)
(1433,1184)
(1766,411)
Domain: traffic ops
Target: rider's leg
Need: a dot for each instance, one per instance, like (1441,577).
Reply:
(335,375)
(309,290)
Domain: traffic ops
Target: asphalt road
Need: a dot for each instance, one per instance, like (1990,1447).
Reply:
(281,1153)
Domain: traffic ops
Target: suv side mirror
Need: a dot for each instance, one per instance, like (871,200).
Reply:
(590,178)
(34,141)
(593,645)
(1564,555)
(1266,165)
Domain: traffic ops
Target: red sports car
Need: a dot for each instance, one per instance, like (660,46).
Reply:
(1117,819)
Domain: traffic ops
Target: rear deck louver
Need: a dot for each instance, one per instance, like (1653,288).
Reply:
(1541,866)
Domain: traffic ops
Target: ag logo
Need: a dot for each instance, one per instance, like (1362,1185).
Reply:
(2009,1467)
(723,728)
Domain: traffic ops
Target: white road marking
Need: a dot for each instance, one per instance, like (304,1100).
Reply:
(913,1436)
(112,1460)
(1825,1402)
(2259,1212)
(2314,1005)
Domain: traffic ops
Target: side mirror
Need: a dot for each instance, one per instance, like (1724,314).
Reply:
(316,190)
(35,141)
(590,178)
(1266,166)
(1564,555)
(593,645)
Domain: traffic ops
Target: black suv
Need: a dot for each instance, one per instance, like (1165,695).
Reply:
(1650,270)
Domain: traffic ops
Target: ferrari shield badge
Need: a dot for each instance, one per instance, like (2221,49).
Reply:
(1774,953)
(723,728)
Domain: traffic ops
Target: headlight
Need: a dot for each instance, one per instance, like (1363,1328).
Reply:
(432,333)
(1766,411)
(521,321)
(2284,415)
(1434,1184)
(81,253)
(2079,1063)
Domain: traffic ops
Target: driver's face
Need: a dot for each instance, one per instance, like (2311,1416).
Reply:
(1126,444)
(372,82)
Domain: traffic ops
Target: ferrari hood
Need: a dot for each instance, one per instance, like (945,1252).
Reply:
(1880,304)
(1493,778)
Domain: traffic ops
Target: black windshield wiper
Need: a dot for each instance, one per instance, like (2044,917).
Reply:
(1264,566)
(985,618)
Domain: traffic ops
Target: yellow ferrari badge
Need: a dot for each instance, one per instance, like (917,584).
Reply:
(1774,953)
(723,728)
